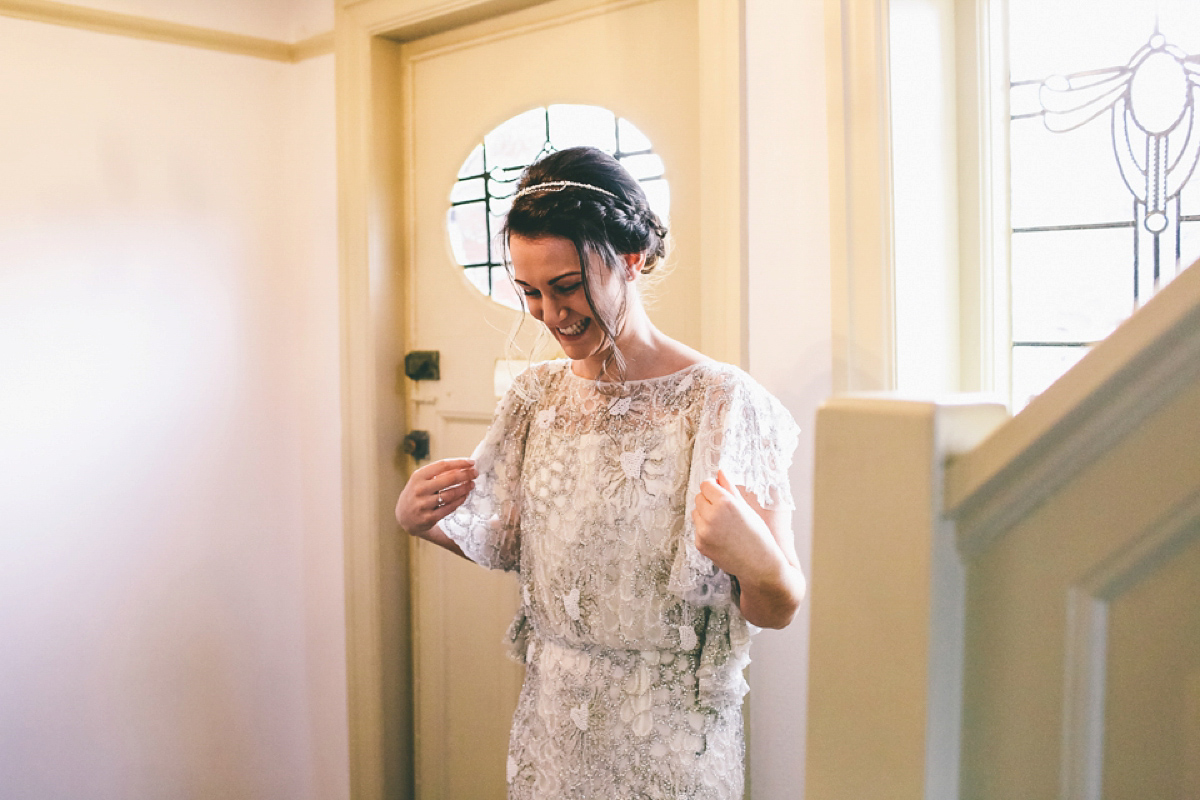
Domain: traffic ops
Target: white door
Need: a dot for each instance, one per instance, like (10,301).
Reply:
(638,59)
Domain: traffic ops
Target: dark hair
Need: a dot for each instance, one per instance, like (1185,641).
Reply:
(603,225)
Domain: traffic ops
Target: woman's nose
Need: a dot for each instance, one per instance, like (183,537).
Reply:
(551,311)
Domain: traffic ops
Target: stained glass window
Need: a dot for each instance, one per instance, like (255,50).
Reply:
(1104,142)
(487,180)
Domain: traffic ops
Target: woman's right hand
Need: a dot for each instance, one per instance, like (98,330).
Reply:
(434,491)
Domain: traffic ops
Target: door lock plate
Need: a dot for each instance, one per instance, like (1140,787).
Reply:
(423,365)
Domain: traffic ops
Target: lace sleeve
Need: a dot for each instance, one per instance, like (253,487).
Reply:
(487,526)
(746,432)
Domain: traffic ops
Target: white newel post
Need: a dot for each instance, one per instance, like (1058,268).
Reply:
(887,598)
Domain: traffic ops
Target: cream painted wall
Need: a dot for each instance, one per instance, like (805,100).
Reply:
(171,591)
(789,327)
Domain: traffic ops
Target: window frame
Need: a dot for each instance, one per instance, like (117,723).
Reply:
(980,340)
(985,319)
(864,280)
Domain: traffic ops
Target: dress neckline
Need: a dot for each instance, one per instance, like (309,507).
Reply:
(708,362)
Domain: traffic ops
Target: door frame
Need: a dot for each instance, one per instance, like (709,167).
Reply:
(368,35)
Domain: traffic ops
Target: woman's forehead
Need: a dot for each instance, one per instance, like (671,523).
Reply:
(542,257)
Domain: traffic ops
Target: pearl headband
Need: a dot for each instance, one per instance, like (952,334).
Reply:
(554,186)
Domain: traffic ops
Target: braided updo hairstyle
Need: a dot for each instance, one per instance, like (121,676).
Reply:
(603,226)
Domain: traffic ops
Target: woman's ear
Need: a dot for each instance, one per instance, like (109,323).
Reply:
(634,262)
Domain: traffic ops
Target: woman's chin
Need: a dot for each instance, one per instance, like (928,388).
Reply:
(579,346)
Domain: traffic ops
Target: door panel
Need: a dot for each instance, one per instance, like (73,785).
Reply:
(639,60)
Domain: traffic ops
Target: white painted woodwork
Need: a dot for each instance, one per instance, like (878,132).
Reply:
(887,597)
(860,196)
(1080,518)
(980,77)
(456,87)
(1069,540)
(788,295)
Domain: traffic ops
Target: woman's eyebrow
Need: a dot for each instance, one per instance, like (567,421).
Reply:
(553,281)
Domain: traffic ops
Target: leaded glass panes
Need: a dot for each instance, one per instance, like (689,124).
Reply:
(1104,140)
(1040,196)
(487,180)
(468,228)
(1069,287)
(576,126)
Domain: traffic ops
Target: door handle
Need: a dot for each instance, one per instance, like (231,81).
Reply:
(416,444)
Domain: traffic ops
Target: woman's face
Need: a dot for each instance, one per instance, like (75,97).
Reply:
(548,272)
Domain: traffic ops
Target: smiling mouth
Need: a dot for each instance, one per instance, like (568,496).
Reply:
(576,329)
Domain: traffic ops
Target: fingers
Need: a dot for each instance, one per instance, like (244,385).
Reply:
(710,491)
(735,492)
(715,490)
(434,491)
(448,488)
(436,468)
(445,501)
(723,481)
(441,475)
(709,500)
(452,478)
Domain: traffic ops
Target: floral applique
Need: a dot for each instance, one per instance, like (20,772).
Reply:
(687,637)
(620,407)
(545,417)
(579,715)
(571,604)
(631,462)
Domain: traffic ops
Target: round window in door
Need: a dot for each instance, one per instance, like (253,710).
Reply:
(488,179)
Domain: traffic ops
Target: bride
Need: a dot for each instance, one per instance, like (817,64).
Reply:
(639,491)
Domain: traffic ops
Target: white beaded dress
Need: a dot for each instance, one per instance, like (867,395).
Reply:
(633,643)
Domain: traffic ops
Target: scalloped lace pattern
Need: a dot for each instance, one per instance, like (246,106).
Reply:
(633,644)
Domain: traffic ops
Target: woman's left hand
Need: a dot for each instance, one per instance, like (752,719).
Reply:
(754,544)
(729,532)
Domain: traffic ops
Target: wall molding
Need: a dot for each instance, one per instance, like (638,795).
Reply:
(1087,642)
(468,37)
(313,47)
(1139,368)
(156,30)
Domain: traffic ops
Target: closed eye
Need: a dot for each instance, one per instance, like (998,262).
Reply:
(530,292)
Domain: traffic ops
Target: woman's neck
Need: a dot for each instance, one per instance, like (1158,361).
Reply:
(647,352)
